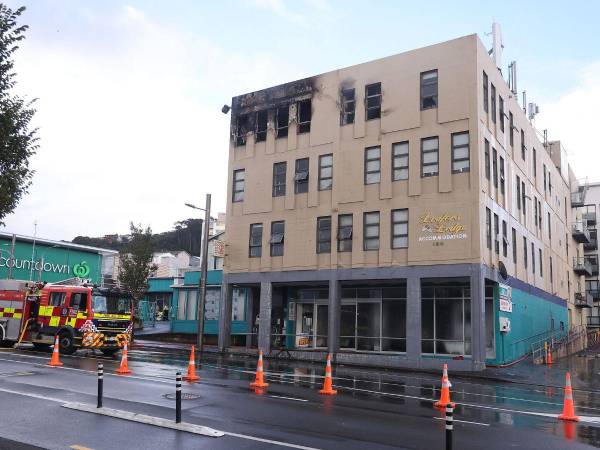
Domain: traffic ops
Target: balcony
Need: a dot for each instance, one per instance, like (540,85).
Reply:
(592,245)
(583,300)
(593,288)
(588,215)
(593,321)
(578,197)
(580,232)
(582,266)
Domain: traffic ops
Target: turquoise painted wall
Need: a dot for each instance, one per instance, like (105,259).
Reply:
(531,320)
(160,284)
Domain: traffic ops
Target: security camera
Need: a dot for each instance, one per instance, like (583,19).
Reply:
(225,109)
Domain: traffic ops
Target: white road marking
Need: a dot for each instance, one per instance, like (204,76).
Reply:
(465,421)
(269,441)
(32,395)
(289,398)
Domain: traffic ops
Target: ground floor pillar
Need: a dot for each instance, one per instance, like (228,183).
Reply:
(249,315)
(478,335)
(264,322)
(413,317)
(334,312)
(225,317)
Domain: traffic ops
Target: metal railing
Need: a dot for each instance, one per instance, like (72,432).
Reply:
(580,232)
(582,265)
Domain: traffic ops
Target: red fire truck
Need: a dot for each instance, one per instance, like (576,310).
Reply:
(81,315)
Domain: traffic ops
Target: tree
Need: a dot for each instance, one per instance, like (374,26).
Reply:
(17,141)
(136,262)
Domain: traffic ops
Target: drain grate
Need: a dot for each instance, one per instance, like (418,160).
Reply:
(184,396)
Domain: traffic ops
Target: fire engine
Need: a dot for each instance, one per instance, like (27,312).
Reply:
(80,314)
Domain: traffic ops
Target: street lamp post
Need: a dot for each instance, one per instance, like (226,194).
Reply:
(203,273)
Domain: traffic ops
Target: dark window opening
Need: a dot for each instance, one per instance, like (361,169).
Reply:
(514,246)
(277,238)
(304,114)
(283,118)
(502,174)
(493,103)
(429,89)
(511,124)
(487,159)
(495,167)
(486,94)
(501,112)
(241,129)
(262,118)
(348,105)
(324,234)
(255,244)
(373,101)
(301,176)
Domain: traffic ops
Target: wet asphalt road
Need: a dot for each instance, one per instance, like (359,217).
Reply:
(373,410)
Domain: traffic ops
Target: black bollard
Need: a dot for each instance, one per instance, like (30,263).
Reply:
(178,398)
(449,426)
(100,383)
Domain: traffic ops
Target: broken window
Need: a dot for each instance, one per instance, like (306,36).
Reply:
(429,89)
(348,105)
(277,235)
(283,116)
(241,128)
(261,126)
(301,176)
(304,113)
(344,233)
(373,101)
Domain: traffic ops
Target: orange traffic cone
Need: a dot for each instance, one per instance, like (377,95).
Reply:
(55,361)
(124,368)
(549,356)
(568,407)
(328,383)
(259,381)
(445,397)
(191,374)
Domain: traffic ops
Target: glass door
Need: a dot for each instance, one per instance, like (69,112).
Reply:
(322,326)
(305,325)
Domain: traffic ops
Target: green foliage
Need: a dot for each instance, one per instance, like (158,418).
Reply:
(136,262)
(17,141)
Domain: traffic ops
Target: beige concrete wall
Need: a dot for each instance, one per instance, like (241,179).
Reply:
(402,120)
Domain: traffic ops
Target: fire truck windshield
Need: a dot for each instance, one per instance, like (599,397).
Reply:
(110,305)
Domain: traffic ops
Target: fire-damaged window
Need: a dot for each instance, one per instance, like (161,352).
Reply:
(241,128)
(261,126)
(301,176)
(429,89)
(373,101)
(283,117)
(304,113)
(348,102)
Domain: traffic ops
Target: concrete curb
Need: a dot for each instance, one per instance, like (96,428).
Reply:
(148,420)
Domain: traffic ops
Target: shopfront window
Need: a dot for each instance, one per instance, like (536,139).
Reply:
(311,315)
(446,316)
(373,319)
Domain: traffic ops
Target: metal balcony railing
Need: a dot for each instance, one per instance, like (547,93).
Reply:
(580,232)
(588,215)
(593,288)
(578,197)
(583,300)
(592,245)
(593,321)
(582,266)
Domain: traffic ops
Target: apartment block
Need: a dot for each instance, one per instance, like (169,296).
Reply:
(399,212)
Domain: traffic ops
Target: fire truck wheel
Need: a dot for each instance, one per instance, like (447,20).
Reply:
(109,351)
(65,342)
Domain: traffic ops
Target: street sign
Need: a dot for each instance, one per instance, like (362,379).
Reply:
(505,295)
(219,249)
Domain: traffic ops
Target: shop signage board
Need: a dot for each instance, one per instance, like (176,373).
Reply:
(505,295)
(219,249)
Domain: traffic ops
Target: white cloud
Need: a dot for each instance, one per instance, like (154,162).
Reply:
(573,119)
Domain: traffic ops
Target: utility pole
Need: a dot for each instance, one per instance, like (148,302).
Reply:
(203,275)
(12,256)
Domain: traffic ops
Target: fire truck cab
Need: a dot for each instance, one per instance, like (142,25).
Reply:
(81,315)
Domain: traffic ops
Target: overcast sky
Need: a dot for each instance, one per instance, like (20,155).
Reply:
(130,92)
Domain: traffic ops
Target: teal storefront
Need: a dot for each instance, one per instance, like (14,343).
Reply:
(51,261)
(185,307)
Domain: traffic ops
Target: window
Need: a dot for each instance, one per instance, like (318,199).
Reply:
(446,316)
(279,171)
(255,241)
(549,183)
(460,152)
(429,157)
(429,89)
(79,301)
(324,234)
(344,234)
(532,258)
(57,298)
(325,172)
(496,232)
(535,212)
(544,170)
(301,176)
(348,101)
(486,95)
(400,161)
(551,273)
(549,227)
(504,239)
(511,124)
(541,262)
(488,227)
(372,165)
(304,113)
(239,177)
(241,129)
(493,89)
(495,167)
(277,235)
(523,148)
(261,126)
(534,163)
(525,252)
(371,231)
(501,112)
(502,174)
(400,228)
(518,192)
(514,245)
(540,212)
(373,101)
(283,119)
(487,158)
(523,197)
